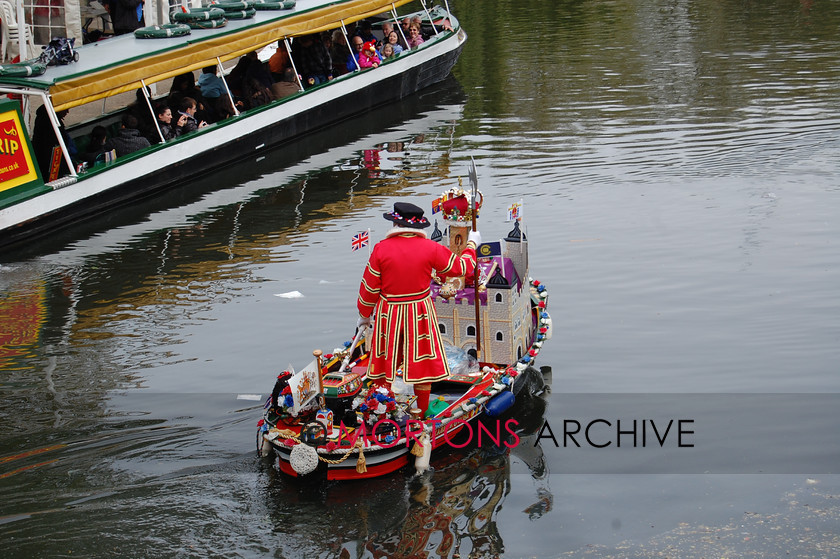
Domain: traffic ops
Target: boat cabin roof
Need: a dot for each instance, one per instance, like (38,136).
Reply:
(118,64)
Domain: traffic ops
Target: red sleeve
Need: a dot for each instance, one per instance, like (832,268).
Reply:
(449,265)
(369,289)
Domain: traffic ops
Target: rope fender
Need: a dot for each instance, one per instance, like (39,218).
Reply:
(198,14)
(162,31)
(208,24)
(269,5)
(233,6)
(240,14)
(31,67)
(289,434)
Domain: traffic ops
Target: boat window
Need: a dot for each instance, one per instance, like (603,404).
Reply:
(442,328)
(470,330)
(500,337)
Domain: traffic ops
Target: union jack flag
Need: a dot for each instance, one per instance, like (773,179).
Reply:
(360,240)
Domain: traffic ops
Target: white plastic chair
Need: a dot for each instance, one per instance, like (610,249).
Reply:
(11,30)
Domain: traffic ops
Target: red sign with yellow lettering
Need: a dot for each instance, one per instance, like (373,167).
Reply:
(16,164)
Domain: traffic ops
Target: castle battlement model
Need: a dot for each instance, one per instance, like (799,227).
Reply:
(506,323)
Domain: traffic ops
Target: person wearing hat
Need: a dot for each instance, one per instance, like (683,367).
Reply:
(368,58)
(395,298)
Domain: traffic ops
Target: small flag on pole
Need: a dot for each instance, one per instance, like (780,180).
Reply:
(360,240)
(437,205)
(515,212)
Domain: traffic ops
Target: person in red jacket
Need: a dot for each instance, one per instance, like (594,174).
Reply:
(394,297)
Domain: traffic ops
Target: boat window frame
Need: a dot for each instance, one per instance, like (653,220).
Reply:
(53,120)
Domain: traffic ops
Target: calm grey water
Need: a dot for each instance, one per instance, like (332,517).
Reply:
(678,166)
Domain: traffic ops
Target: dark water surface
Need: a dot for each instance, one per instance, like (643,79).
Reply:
(678,165)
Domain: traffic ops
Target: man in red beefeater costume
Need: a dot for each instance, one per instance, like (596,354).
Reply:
(394,296)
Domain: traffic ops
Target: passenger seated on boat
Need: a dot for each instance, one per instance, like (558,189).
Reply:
(279,61)
(98,146)
(387,51)
(255,93)
(213,90)
(129,139)
(339,53)
(387,27)
(365,30)
(312,60)
(353,58)
(164,122)
(256,83)
(394,296)
(369,58)
(285,86)
(210,84)
(188,109)
(236,77)
(183,85)
(44,142)
(415,39)
(140,110)
(393,39)
(405,24)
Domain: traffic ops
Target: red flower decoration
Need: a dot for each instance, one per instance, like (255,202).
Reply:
(290,442)
(532,352)
(391,406)
(543,330)
(511,371)
(260,422)
(331,446)
(485,392)
(513,374)
(541,304)
(328,356)
(536,283)
(287,390)
(447,413)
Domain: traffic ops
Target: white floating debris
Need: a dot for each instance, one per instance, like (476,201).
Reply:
(251,397)
(290,295)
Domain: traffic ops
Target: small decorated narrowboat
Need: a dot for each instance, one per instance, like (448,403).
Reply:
(329,420)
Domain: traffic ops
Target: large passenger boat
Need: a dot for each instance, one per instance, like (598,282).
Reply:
(33,205)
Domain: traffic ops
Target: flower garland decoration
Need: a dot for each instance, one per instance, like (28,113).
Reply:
(285,402)
(379,403)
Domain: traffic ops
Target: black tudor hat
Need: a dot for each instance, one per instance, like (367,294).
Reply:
(407,215)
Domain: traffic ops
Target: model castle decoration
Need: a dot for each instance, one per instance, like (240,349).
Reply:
(507,328)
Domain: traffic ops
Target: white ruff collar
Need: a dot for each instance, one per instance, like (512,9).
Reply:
(396,230)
